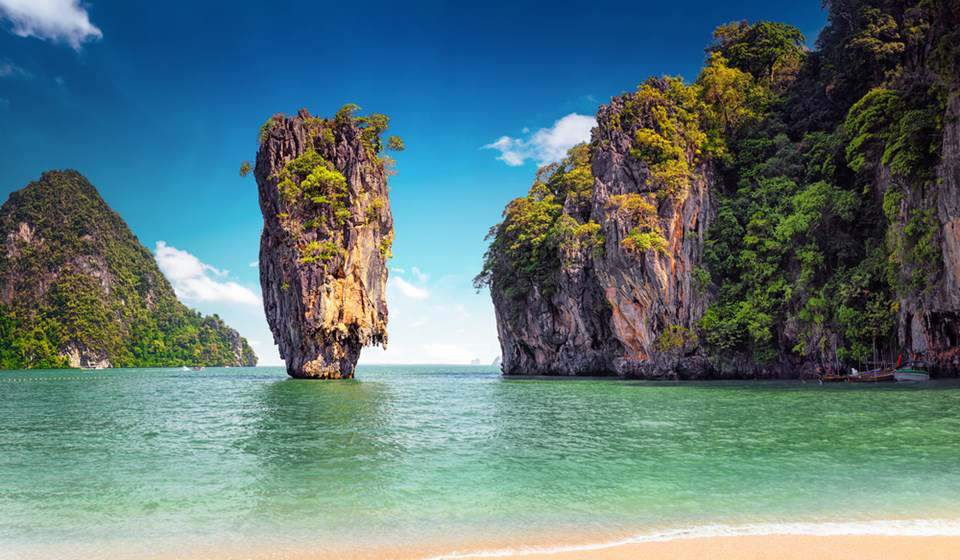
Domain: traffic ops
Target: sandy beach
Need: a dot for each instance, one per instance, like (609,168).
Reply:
(780,547)
(748,547)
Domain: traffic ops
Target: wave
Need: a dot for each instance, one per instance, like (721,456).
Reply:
(891,528)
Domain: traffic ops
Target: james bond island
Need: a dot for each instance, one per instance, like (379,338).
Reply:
(659,287)
(788,213)
(327,236)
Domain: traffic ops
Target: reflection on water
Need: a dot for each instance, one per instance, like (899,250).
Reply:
(416,452)
(322,451)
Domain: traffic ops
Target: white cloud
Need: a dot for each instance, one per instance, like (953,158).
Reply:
(546,144)
(446,354)
(409,290)
(196,281)
(63,21)
(419,275)
(11,70)
(254,264)
(454,326)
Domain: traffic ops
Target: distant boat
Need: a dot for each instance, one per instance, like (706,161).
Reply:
(910,373)
(872,376)
(196,368)
(96,367)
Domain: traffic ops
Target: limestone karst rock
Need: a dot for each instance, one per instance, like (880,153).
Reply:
(78,289)
(326,239)
(621,283)
(789,213)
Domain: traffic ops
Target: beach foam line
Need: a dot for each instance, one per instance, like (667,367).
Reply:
(886,528)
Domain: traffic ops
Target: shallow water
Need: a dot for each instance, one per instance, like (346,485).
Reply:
(405,454)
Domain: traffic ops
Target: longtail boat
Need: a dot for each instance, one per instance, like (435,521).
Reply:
(910,373)
(872,376)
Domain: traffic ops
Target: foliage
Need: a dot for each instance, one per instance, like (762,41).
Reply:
(645,232)
(525,249)
(769,51)
(732,96)
(822,167)
(319,251)
(395,143)
(89,285)
(386,246)
(245,168)
(674,338)
(266,127)
(666,116)
(311,178)
(867,124)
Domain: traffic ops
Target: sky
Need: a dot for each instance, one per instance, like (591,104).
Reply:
(158,103)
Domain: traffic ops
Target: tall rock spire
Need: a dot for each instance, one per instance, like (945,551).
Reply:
(327,236)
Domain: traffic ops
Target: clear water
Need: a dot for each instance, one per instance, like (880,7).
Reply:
(411,453)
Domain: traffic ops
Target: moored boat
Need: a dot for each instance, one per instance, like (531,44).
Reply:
(872,376)
(910,374)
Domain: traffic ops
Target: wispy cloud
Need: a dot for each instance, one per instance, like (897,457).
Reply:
(546,144)
(60,21)
(11,70)
(408,289)
(254,264)
(197,281)
(419,275)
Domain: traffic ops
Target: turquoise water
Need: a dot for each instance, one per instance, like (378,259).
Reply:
(411,453)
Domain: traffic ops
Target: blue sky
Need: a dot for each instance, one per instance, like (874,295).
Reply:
(157,103)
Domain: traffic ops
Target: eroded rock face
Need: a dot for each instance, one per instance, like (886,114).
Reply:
(617,308)
(930,320)
(326,239)
(651,295)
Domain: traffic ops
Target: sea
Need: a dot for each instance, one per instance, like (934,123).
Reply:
(457,460)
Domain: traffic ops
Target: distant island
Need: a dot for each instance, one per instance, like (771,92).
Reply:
(789,212)
(77,289)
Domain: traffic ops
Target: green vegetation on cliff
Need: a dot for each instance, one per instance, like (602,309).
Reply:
(75,281)
(822,170)
(812,249)
(527,248)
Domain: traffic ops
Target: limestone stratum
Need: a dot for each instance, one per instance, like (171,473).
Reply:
(326,239)
(77,289)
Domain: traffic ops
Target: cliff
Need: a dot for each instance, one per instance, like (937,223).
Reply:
(78,289)
(326,238)
(626,219)
(790,212)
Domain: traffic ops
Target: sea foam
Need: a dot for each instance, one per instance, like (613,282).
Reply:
(891,528)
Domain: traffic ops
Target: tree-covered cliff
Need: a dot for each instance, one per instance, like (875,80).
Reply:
(78,289)
(789,210)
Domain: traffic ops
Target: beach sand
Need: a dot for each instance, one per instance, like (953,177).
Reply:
(779,547)
(766,547)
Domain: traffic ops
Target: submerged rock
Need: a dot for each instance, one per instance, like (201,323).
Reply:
(327,235)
